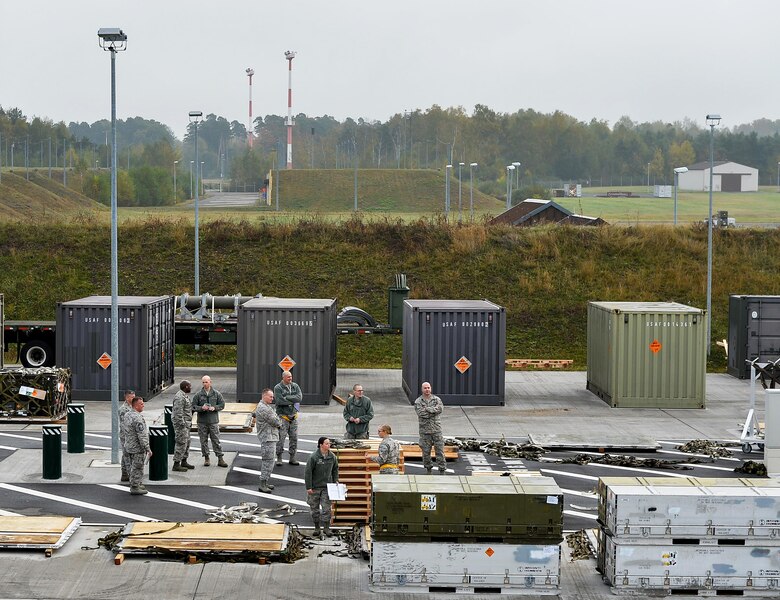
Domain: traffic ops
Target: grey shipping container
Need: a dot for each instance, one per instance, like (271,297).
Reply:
(754,332)
(459,347)
(271,330)
(647,354)
(146,344)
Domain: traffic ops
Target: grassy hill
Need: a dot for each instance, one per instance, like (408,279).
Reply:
(544,276)
(40,198)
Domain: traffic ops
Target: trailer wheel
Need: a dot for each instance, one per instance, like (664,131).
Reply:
(747,448)
(37,354)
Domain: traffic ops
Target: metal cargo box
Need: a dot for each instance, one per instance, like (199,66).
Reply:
(484,508)
(647,354)
(686,566)
(470,568)
(718,511)
(146,344)
(754,332)
(458,346)
(299,330)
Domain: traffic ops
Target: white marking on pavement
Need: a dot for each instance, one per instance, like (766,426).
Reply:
(711,468)
(651,471)
(8,448)
(174,499)
(8,513)
(273,475)
(576,513)
(64,500)
(244,491)
(566,474)
(583,494)
(677,452)
(37,439)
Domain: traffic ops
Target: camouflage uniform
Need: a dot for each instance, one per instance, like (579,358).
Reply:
(429,415)
(389,457)
(135,445)
(182,423)
(285,399)
(268,424)
(208,420)
(362,409)
(320,471)
(123,409)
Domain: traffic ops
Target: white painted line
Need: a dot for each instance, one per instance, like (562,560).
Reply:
(174,499)
(565,474)
(273,475)
(681,464)
(711,468)
(583,494)
(245,491)
(38,439)
(576,513)
(8,513)
(64,500)
(650,471)
(8,448)
(681,443)
(678,453)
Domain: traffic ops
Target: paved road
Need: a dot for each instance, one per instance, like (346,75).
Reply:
(228,200)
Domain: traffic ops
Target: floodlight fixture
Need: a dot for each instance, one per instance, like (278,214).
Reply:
(713,120)
(679,170)
(196,115)
(112,39)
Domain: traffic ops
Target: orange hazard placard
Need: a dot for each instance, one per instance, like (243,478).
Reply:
(655,346)
(104,360)
(463,364)
(287,363)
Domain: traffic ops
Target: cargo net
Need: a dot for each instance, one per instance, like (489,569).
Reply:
(42,393)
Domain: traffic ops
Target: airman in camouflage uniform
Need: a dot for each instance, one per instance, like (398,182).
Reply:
(123,409)
(136,445)
(429,408)
(207,403)
(181,418)
(288,398)
(389,457)
(358,412)
(268,424)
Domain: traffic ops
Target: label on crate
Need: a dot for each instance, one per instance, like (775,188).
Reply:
(32,392)
(552,499)
(427,501)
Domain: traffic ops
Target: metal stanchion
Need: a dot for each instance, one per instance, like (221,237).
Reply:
(169,424)
(158,442)
(75,428)
(52,451)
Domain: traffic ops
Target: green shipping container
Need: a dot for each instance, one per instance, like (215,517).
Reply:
(647,354)
(479,508)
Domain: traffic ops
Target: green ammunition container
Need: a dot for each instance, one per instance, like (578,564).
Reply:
(647,354)
(460,509)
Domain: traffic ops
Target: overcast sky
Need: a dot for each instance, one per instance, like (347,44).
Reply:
(660,60)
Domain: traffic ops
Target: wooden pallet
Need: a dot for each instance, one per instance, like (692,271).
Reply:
(46,533)
(239,407)
(413,451)
(355,470)
(230,421)
(538,363)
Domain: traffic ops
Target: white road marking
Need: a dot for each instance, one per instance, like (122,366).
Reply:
(273,475)
(174,499)
(244,491)
(651,471)
(576,513)
(677,452)
(583,494)
(38,439)
(8,513)
(64,500)
(8,448)
(574,475)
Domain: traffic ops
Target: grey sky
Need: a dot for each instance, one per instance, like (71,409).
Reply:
(661,60)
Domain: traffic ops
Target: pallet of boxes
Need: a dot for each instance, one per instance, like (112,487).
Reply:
(693,536)
(488,534)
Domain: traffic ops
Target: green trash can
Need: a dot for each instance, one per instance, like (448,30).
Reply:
(76,428)
(395,301)
(52,451)
(158,442)
(171,432)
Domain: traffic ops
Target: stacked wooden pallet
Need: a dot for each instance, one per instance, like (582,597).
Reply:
(539,363)
(355,470)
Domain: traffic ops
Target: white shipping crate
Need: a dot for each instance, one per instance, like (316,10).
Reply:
(662,191)
(699,567)
(647,511)
(412,565)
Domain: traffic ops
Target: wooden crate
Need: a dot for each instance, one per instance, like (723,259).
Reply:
(539,363)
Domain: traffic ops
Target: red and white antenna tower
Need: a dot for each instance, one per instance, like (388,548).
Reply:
(250,131)
(289,55)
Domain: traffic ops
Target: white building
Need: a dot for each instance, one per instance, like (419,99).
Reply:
(726,177)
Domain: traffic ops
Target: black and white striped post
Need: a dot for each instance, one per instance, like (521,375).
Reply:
(52,451)
(169,424)
(158,442)
(76,428)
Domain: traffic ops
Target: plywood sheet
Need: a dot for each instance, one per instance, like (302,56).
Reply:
(205,537)
(36,532)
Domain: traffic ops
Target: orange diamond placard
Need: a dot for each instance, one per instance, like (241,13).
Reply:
(463,364)
(490,551)
(655,346)
(287,363)
(104,360)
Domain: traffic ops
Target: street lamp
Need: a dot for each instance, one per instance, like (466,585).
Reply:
(677,172)
(196,117)
(712,120)
(113,40)
(460,192)
(175,162)
(509,169)
(471,188)
(250,71)
(778,176)
(447,191)
(648,177)
(516,165)
(192,162)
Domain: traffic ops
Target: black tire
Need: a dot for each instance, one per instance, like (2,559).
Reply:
(37,354)
(747,448)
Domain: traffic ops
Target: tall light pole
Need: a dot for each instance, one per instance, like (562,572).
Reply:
(677,172)
(196,117)
(509,169)
(113,40)
(447,191)
(516,165)
(250,71)
(192,162)
(471,189)
(460,192)
(289,55)
(778,176)
(175,162)
(648,177)
(712,121)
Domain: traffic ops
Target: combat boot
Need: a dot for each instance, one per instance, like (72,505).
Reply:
(125,476)
(278,461)
(293,462)
(428,470)
(317,533)
(177,466)
(187,465)
(206,461)
(264,487)
(221,462)
(326,530)
(138,491)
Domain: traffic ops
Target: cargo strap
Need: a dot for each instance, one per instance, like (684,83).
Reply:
(286,418)
(389,466)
